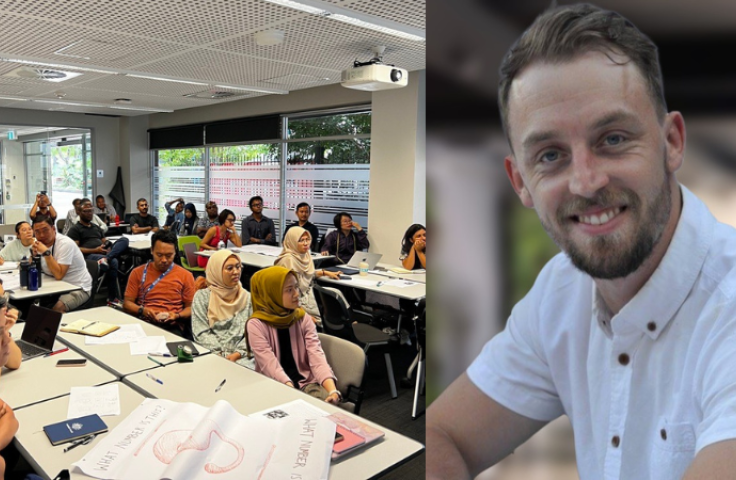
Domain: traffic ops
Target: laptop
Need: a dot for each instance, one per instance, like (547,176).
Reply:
(39,333)
(353,265)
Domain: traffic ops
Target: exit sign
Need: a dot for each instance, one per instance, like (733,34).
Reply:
(11,135)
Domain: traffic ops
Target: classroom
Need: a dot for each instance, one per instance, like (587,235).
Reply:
(251,118)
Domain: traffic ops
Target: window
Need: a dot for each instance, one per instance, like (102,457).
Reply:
(177,173)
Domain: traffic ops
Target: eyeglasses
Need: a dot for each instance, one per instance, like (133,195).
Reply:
(257,205)
(231,268)
(211,206)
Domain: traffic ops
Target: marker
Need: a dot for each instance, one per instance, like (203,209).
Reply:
(220,385)
(155,361)
(83,441)
(154,378)
(58,351)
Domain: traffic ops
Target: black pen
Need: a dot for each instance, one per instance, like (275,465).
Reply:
(83,441)
(220,385)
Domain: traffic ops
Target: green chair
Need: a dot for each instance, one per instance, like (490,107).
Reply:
(187,246)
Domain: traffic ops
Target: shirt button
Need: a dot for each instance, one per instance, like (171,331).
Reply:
(615,441)
(623,359)
(651,326)
(663,434)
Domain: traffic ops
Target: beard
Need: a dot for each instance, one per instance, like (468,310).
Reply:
(615,255)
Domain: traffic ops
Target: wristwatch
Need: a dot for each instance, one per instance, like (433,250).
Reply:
(47,253)
(140,311)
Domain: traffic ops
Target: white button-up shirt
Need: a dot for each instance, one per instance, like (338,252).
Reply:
(646,389)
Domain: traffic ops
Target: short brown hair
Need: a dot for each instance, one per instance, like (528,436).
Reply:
(560,34)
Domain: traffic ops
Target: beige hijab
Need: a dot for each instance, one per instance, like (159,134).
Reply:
(225,302)
(300,263)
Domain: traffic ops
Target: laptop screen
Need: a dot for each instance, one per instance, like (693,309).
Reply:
(41,327)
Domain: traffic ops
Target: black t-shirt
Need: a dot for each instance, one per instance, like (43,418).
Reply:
(88,237)
(311,228)
(143,222)
(287,356)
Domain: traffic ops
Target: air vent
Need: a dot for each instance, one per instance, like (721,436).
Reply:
(216,94)
(40,73)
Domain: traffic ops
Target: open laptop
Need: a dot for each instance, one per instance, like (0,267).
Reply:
(39,333)
(353,265)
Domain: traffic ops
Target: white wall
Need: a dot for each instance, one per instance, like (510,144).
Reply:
(13,161)
(134,160)
(398,166)
(105,137)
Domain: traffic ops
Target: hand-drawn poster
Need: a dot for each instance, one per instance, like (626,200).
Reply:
(179,441)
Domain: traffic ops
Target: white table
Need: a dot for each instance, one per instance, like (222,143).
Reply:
(34,445)
(117,358)
(50,286)
(259,260)
(39,378)
(420,277)
(371,282)
(250,392)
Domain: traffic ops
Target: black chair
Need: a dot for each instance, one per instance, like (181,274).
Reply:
(340,320)
(94,270)
(420,323)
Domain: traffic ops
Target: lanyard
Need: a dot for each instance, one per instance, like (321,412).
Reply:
(155,282)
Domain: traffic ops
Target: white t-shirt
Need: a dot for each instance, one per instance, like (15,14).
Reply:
(14,251)
(645,390)
(66,252)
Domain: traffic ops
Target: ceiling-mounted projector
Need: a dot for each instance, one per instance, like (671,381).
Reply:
(374,75)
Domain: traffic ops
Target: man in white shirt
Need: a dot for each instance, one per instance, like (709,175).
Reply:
(63,260)
(631,331)
(72,217)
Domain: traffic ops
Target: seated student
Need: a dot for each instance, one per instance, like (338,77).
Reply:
(10,354)
(20,247)
(344,242)
(102,207)
(220,310)
(175,216)
(283,338)
(42,206)
(161,292)
(189,225)
(142,222)
(295,256)
(257,228)
(72,219)
(209,220)
(223,232)
(92,242)
(303,211)
(63,260)
(414,248)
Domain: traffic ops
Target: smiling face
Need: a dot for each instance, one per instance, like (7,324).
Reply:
(593,159)
(100,203)
(86,212)
(291,293)
(231,271)
(420,235)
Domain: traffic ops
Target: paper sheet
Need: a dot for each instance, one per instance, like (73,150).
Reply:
(137,238)
(147,345)
(269,250)
(8,266)
(165,439)
(125,334)
(103,400)
(400,283)
(298,408)
(11,280)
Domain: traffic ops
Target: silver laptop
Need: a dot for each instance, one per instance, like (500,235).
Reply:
(353,266)
(39,333)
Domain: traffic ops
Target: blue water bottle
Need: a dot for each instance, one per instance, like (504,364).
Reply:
(33,278)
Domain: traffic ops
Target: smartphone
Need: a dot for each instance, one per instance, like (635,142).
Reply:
(72,362)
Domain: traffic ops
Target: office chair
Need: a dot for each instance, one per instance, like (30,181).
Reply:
(420,323)
(60,224)
(338,319)
(94,270)
(348,363)
(187,246)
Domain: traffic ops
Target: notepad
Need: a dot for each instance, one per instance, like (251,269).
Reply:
(74,429)
(86,327)
(357,428)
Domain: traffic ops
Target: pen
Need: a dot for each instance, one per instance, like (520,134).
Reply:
(161,355)
(89,325)
(154,378)
(155,361)
(58,351)
(220,385)
(83,441)
(379,283)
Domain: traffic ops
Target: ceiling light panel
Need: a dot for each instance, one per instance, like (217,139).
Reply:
(187,22)
(412,14)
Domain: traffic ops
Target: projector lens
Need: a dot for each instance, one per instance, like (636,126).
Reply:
(395,75)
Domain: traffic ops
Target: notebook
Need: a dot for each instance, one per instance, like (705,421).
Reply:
(353,266)
(74,429)
(39,332)
(356,427)
(86,327)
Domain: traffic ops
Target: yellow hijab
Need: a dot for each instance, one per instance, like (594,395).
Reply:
(266,288)
(300,263)
(225,302)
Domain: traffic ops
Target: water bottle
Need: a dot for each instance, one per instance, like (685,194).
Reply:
(220,245)
(24,265)
(117,220)
(363,267)
(33,278)
(37,260)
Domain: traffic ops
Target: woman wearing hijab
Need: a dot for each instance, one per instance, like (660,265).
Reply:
(220,311)
(189,225)
(296,257)
(283,337)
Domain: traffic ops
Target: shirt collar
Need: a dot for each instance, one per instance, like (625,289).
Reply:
(654,306)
